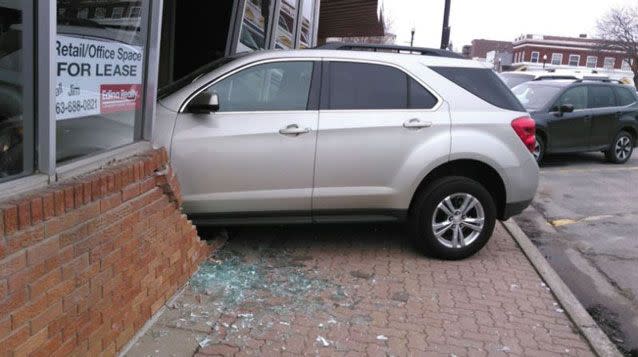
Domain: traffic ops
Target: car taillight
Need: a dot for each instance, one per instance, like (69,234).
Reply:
(525,128)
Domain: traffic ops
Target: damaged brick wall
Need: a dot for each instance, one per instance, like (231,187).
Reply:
(86,262)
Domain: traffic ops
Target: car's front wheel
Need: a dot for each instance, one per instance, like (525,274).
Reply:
(621,149)
(453,218)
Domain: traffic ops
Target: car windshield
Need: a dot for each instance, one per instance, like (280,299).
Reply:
(535,96)
(193,76)
(514,79)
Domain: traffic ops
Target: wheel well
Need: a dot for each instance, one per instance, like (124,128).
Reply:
(631,131)
(472,169)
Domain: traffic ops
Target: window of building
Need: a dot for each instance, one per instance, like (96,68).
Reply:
(601,97)
(367,86)
(266,87)
(625,96)
(592,61)
(255,22)
(523,58)
(117,12)
(557,58)
(609,63)
(574,60)
(626,64)
(98,96)
(100,13)
(535,56)
(135,11)
(16,85)
(286,24)
(307,23)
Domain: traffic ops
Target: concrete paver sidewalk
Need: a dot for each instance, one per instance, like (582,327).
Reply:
(353,290)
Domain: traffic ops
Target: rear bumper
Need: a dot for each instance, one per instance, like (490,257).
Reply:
(513,208)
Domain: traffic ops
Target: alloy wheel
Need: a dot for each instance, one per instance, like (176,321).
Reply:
(623,148)
(537,149)
(458,220)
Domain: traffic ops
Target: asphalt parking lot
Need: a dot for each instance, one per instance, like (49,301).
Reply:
(584,219)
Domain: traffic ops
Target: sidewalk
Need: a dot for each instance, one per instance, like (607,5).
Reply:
(361,290)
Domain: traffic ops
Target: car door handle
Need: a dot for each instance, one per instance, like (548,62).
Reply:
(294,129)
(416,124)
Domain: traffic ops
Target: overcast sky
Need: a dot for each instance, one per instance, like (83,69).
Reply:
(494,19)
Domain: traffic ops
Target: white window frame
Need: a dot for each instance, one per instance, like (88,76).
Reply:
(557,56)
(117,12)
(626,64)
(577,61)
(613,63)
(589,62)
(537,55)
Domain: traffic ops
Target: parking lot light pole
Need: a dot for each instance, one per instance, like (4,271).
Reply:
(445,36)
(412,37)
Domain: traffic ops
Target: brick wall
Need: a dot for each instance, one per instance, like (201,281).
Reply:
(86,262)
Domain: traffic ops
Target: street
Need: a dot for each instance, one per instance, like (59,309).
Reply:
(583,220)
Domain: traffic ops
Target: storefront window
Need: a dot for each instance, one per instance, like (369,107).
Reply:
(13,85)
(286,24)
(254,24)
(307,23)
(100,75)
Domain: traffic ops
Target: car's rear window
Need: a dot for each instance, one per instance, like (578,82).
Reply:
(483,83)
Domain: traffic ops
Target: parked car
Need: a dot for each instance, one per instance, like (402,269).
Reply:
(352,134)
(512,79)
(579,116)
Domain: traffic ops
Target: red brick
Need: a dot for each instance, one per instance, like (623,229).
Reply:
(4,288)
(110,202)
(58,197)
(103,185)
(42,320)
(86,194)
(17,337)
(147,185)
(69,198)
(32,343)
(43,250)
(25,313)
(36,210)
(10,219)
(75,266)
(78,191)
(24,214)
(24,239)
(110,183)
(48,205)
(13,264)
(131,191)
(40,286)
(14,301)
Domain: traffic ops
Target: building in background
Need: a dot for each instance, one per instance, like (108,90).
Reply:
(198,32)
(480,47)
(499,60)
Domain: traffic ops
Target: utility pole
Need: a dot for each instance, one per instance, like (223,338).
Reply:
(412,38)
(445,36)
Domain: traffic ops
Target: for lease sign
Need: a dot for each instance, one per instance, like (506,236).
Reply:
(96,77)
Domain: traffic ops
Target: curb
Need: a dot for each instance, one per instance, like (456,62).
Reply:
(597,339)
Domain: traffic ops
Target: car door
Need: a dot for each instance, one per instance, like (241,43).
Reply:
(604,115)
(570,131)
(256,153)
(372,118)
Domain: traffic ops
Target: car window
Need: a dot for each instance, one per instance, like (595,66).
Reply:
(483,83)
(419,97)
(266,87)
(535,95)
(601,97)
(514,79)
(576,96)
(366,86)
(625,96)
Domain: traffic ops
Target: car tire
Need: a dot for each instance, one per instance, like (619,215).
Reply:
(431,211)
(621,148)
(539,149)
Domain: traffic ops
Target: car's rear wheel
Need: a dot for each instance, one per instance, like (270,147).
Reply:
(453,218)
(621,149)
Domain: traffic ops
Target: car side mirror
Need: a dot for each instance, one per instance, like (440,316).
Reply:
(566,108)
(204,103)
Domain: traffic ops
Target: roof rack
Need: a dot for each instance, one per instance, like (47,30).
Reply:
(389,48)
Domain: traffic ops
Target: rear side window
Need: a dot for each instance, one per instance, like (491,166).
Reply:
(366,86)
(576,97)
(483,83)
(419,97)
(601,97)
(625,96)
(371,86)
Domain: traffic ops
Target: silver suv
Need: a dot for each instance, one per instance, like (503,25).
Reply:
(352,133)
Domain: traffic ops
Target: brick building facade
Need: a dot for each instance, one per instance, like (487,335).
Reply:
(481,47)
(567,51)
